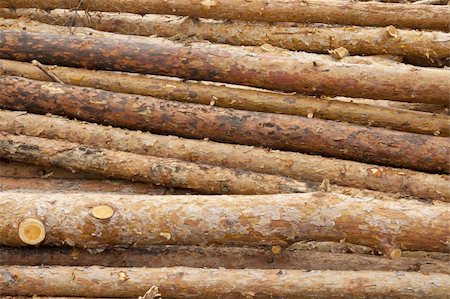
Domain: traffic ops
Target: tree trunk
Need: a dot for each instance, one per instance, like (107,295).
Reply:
(422,48)
(298,166)
(139,220)
(252,66)
(286,132)
(160,171)
(215,257)
(182,282)
(312,11)
(239,98)
(58,185)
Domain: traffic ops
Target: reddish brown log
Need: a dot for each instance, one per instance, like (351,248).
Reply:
(252,66)
(312,11)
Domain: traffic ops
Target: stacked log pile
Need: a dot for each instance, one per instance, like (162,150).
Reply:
(224,149)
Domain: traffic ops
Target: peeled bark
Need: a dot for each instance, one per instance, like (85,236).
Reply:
(422,48)
(252,66)
(158,171)
(239,98)
(298,166)
(214,257)
(140,220)
(312,11)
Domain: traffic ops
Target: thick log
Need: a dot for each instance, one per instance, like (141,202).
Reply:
(239,98)
(312,11)
(215,257)
(298,166)
(61,185)
(159,171)
(252,66)
(183,282)
(421,48)
(141,220)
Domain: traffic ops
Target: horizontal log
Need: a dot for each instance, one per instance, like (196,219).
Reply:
(312,11)
(298,166)
(421,48)
(215,257)
(286,132)
(182,282)
(232,220)
(239,98)
(252,66)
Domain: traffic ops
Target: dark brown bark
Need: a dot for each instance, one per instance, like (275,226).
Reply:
(253,66)
(239,97)
(374,145)
(312,11)
(215,257)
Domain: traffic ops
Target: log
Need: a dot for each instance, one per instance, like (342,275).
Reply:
(239,98)
(183,282)
(159,171)
(92,186)
(252,66)
(298,166)
(312,11)
(420,48)
(214,257)
(280,220)
(286,132)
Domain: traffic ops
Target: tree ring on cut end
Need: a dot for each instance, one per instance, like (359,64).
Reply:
(102,212)
(31,231)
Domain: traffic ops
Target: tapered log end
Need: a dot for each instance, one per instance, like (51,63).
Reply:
(102,212)
(31,231)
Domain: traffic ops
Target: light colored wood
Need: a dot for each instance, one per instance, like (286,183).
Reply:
(31,231)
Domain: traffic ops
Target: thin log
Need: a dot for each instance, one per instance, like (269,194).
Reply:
(421,48)
(313,11)
(239,98)
(60,185)
(286,132)
(281,220)
(182,282)
(159,171)
(252,66)
(298,166)
(214,257)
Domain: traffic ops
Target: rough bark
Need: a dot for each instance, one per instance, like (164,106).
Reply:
(159,171)
(422,48)
(140,220)
(215,257)
(239,98)
(298,166)
(59,185)
(252,66)
(312,11)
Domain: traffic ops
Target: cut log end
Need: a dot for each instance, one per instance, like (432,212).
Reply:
(31,231)
(102,212)
(394,253)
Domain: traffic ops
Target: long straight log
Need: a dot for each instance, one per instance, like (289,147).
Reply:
(155,170)
(239,98)
(182,282)
(215,257)
(252,66)
(298,166)
(312,11)
(422,48)
(140,220)
(373,145)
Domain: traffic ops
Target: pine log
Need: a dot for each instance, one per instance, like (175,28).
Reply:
(63,185)
(281,220)
(159,171)
(183,282)
(421,48)
(286,132)
(239,98)
(298,166)
(252,66)
(312,11)
(214,257)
